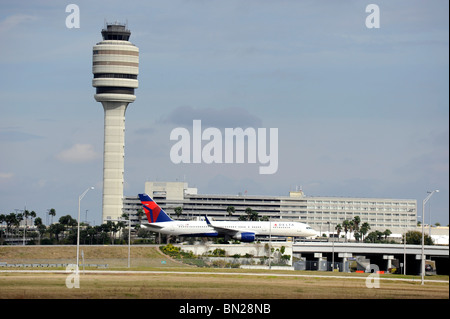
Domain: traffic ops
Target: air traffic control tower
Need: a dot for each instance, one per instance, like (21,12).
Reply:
(115,66)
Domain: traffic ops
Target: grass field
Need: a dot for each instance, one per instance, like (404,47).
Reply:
(210,286)
(114,256)
(190,284)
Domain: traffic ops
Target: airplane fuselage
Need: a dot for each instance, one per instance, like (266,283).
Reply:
(245,231)
(202,229)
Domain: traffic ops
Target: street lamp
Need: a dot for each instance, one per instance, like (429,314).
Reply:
(270,244)
(423,232)
(129,235)
(78,232)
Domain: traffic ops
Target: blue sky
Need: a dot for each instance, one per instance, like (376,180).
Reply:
(360,112)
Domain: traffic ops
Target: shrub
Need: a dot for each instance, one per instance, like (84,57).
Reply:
(170,250)
(218,252)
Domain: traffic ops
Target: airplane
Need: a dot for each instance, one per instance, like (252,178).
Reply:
(244,231)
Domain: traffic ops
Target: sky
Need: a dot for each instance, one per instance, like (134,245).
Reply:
(360,112)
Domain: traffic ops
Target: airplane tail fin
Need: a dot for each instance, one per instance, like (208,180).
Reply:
(207,220)
(155,214)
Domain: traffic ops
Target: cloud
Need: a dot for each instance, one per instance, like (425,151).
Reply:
(6,181)
(225,117)
(4,176)
(78,153)
(12,21)
(17,136)
(145,131)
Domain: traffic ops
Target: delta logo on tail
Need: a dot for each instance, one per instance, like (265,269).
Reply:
(155,214)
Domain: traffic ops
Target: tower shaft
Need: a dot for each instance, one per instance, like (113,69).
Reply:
(113,159)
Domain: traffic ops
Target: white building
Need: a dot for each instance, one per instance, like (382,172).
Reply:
(323,213)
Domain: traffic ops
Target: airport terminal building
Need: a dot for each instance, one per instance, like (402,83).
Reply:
(322,213)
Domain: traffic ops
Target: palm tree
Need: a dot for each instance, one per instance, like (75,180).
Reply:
(178,210)
(40,226)
(230,211)
(56,229)
(124,225)
(33,215)
(356,222)
(67,221)
(103,230)
(7,220)
(357,236)
(140,213)
(19,218)
(338,230)
(91,232)
(52,212)
(251,214)
(114,229)
(351,227)
(10,220)
(346,225)
(364,229)
(26,214)
(2,220)
(120,227)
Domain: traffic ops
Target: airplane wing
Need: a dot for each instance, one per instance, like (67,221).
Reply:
(222,230)
(148,225)
(239,234)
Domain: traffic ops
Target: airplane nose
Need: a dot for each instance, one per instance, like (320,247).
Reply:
(314,233)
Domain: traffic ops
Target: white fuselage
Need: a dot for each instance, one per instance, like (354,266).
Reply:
(201,228)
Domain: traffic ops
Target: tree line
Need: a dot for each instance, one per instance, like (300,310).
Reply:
(251,215)
(361,233)
(353,226)
(63,232)
(360,230)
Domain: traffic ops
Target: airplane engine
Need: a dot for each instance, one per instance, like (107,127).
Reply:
(245,237)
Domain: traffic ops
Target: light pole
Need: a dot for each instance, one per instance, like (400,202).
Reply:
(423,234)
(404,253)
(404,248)
(129,239)
(332,253)
(78,232)
(332,245)
(129,234)
(270,244)
(329,224)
